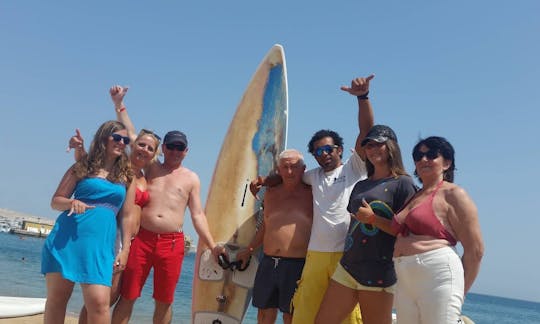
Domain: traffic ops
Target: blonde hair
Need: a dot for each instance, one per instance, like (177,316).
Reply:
(156,139)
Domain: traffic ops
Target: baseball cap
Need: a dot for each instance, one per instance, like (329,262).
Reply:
(379,134)
(175,137)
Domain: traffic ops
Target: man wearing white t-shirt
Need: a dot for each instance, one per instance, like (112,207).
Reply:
(331,183)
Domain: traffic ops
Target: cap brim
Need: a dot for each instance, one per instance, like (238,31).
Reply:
(378,139)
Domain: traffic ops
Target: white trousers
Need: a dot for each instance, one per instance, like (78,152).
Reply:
(430,287)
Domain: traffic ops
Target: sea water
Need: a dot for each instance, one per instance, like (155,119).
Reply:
(20,276)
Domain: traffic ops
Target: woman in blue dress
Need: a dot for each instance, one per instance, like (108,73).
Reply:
(80,248)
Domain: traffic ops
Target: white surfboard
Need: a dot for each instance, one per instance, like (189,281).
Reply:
(20,306)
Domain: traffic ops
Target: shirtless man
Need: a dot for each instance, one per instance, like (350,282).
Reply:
(284,234)
(160,241)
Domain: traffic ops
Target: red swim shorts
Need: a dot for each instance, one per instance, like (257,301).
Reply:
(164,252)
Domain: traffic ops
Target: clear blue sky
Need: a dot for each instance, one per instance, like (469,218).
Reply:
(466,70)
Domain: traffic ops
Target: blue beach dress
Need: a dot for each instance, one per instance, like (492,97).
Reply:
(81,246)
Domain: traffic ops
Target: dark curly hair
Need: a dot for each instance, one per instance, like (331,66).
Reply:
(445,149)
(322,134)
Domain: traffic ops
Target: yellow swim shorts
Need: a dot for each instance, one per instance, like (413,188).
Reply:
(318,269)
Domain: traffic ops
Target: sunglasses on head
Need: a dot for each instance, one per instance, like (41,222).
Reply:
(178,147)
(430,155)
(147,131)
(118,138)
(324,149)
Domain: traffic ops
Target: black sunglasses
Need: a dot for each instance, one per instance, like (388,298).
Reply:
(325,148)
(118,138)
(430,155)
(178,147)
(147,131)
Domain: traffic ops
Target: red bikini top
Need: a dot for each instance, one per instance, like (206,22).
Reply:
(421,220)
(141,197)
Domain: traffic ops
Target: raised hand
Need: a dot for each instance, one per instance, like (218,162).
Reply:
(76,141)
(359,86)
(117,95)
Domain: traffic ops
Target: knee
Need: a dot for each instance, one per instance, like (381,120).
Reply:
(266,316)
(98,305)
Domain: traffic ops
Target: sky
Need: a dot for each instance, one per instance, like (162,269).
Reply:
(465,70)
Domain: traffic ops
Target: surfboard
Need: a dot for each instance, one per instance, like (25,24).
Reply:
(20,306)
(256,135)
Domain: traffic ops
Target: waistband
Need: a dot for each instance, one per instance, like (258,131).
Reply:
(143,233)
(283,258)
(440,251)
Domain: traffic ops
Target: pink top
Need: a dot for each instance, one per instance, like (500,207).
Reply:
(421,220)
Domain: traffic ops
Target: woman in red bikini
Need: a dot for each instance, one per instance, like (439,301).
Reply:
(432,280)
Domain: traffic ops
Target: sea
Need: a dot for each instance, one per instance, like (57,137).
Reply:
(20,276)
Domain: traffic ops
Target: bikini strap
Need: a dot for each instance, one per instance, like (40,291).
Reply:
(437,189)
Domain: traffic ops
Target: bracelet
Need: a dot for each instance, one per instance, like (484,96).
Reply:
(121,109)
(363,97)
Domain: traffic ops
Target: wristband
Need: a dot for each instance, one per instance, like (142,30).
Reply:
(121,109)
(363,97)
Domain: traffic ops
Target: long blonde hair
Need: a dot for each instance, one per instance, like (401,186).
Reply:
(95,160)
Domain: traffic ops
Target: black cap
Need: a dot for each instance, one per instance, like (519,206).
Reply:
(379,134)
(175,137)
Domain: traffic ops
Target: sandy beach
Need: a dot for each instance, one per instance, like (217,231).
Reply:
(35,319)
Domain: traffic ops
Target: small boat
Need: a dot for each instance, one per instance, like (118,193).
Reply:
(5,228)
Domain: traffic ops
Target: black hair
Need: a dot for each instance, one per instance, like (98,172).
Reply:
(322,134)
(445,149)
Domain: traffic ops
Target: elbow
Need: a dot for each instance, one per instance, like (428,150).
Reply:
(480,253)
(476,253)
(54,204)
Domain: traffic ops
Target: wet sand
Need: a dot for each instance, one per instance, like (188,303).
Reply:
(34,319)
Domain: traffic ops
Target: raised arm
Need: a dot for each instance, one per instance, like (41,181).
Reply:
(463,217)
(76,142)
(117,96)
(360,88)
(199,220)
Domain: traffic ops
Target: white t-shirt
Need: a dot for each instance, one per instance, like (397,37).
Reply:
(331,193)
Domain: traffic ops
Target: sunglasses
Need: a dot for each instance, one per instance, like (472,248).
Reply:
(118,138)
(178,147)
(324,149)
(430,155)
(147,131)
